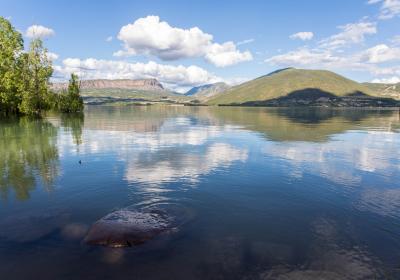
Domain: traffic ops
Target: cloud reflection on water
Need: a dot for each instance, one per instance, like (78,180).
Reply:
(340,160)
(188,166)
(180,149)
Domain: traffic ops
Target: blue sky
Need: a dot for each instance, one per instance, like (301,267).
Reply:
(188,43)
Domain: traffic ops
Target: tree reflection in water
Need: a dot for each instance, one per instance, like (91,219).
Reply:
(73,123)
(28,153)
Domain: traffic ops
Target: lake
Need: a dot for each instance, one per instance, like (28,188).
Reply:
(268,193)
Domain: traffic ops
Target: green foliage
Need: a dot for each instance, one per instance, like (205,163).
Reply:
(24,77)
(71,101)
(36,74)
(11,46)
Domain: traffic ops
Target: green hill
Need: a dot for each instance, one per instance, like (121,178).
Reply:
(385,90)
(298,87)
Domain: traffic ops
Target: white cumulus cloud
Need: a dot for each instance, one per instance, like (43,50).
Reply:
(388,9)
(52,56)
(305,57)
(304,36)
(39,31)
(395,40)
(352,33)
(381,53)
(390,80)
(172,76)
(151,36)
(226,55)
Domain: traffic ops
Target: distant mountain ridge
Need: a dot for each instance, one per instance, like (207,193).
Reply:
(207,91)
(197,89)
(301,87)
(139,84)
(283,87)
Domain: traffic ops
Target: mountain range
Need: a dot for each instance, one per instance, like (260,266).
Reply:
(140,84)
(207,91)
(284,87)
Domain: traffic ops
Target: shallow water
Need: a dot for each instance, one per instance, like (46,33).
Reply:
(266,193)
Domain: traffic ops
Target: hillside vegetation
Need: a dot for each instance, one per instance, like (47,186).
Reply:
(292,82)
(385,90)
(112,95)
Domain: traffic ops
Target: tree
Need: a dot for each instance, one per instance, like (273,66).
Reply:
(37,70)
(11,47)
(24,77)
(71,101)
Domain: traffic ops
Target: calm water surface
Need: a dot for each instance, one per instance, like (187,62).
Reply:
(269,193)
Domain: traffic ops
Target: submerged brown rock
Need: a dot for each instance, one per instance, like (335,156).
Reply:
(132,226)
(125,228)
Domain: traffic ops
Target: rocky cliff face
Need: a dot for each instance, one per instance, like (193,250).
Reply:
(143,84)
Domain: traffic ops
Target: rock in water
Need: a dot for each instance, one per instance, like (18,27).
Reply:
(125,228)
